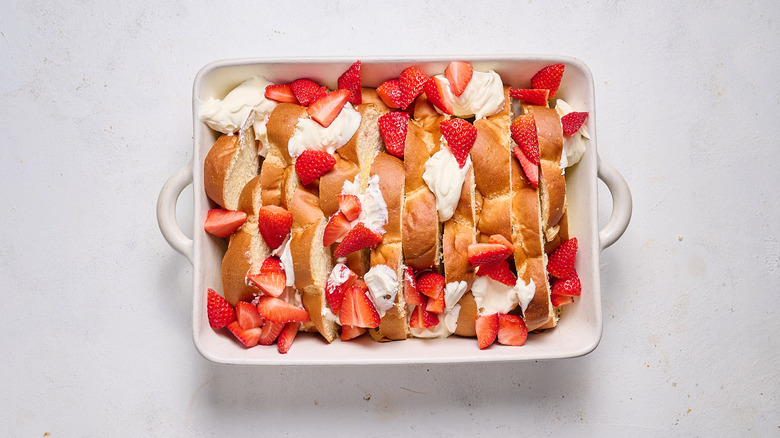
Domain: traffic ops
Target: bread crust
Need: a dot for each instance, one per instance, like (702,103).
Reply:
(230,163)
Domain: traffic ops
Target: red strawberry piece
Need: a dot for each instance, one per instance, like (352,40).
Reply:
(436,304)
(434,89)
(338,226)
(248,337)
(287,336)
(325,109)
(274,224)
(350,206)
(390,93)
(421,318)
(571,287)
(523,130)
(487,329)
(530,95)
(573,121)
(322,92)
(511,330)
(219,311)
(269,332)
(411,294)
(499,238)
(312,164)
(412,82)
(530,169)
(280,93)
(498,271)
(350,80)
(223,223)
(305,90)
(351,332)
(430,284)
(548,78)
(460,136)
(357,238)
(272,264)
(269,283)
(560,264)
(247,315)
(393,127)
(334,293)
(561,300)
(357,309)
(277,310)
(481,254)
(458,74)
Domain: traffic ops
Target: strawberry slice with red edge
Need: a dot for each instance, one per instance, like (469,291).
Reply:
(350,80)
(274,224)
(325,109)
(460,136)
(269,283)
(322,92)
(272,264)
(349,332)
(530,169)
(458,74)
(548,78)
(247,315)
(412,83)
(570,287)
(223,223)
(411,295)
(219,311)
(249,337)
(421,318)
(499,238)
(430,284)
(282,93)
(560,264)
(511,330)
(312,164)
(436,304)
(572,122)
(498,271)
(269,332)
(334,293)
(487,330)
(390,93)
(338,226)
(523,130)
(561,300)
(357,309)
(350,206)
(277,310)
(482,254)
(531,95)
(287,336)
(434,90)
(357,238)
(305,90)
(393,127)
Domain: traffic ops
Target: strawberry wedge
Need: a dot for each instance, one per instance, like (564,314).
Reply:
(280,311)
(325,109)
(223,223)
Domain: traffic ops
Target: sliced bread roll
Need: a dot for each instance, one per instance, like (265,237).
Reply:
(231,162)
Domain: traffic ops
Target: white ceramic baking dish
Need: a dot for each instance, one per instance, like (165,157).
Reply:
(580,325)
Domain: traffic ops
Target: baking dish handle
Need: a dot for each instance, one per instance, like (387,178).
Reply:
(621,204)
(166,211)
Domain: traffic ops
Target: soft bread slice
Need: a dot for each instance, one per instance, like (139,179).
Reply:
(231,162)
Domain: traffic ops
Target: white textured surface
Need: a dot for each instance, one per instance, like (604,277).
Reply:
(96,115)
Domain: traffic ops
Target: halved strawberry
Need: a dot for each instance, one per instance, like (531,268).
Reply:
(248,337)
(571,287)
(548,78)
(530,169)
(350,80)
(350,206)
(511,330)
(357,309)
(223,223)
(390,93)
(274,224)
(351,332)
(560,264)
(312,164)
(436,304)
(269,332)
(411,294)
(561,300)
(357,238)
(287,336)
(572,122)
(421,318)
(272,264)
(530,95)
(393,127)
(219,311)
(487,329)
(460,136)
(499,238)
(247,315)
(305,90)
(458,74)
(280,93)
(277,310)
(325,109)
(412,82)
(334,293)
(523,130)
(434,89)
(430,284)
(269,283)
(498,271)
(481,254)
(322,92)
(338,226)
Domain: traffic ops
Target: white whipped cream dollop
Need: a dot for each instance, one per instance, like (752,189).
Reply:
(445,179)
(448,322)
(525,292)
(373,208)
(493,296)
(339,274)
(228,114)
(311,135)
(482,97)
(382,284)
(453,292)
(328,315)
(285,255)
(574,146)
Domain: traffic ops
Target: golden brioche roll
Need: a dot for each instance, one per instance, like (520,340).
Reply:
(230,163)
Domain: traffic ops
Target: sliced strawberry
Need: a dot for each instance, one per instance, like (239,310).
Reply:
(548,78)
(272,264)
(287,336)
(511,330)
(561,300)
(460,136)
(411,295)
(530,95)
(248,337)
(390,93)
(393,127)
(305,90)
(524,133)
(269,283)
(436,304)
(350,206)
(481,254)
(571,287)
(312,164)
(219,311)
(338,226)
(274,224)
(560,264)
(573,121)
(499,238)
(350,80)
(325,109)
(421,318)
(247,315)
(322,92)
(530,169)
(487,329)
(269,332)
(412,82)
(223,223)
(351,332)
(430,284)
(357,309)
(434,89)
(334,293)
(277,310)
(458,74)
(280,93)
(498,271)
(357,238)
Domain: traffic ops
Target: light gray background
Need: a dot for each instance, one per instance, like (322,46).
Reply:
(96,114)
